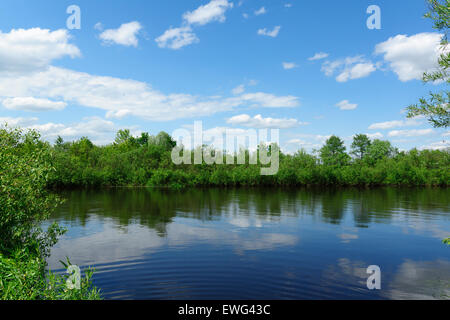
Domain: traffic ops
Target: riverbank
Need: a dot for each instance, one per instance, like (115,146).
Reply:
(146,161)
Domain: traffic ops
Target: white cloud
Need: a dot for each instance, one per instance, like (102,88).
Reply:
(119,97)
(33,104)
(319,56)
(273,33)
(410,133)
(176,38)
(288,5)
(440,145)
(259,122)
(245,15)
(360,70)
(309,141)
(212,11)
(17,122)
(269,100)
(409,57)
(376,135)
(33,49)
(238,90)
(346,105)
(125,35)
(394,124)
(349,68)
(98,26)
(100,131)
(260,11)
(54,88)
(289,65)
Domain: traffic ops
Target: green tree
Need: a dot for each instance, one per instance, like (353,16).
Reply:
(378,150)
(436,108)
(123,136)
(143,139)
(361,143)
(59,141)
(333,152)
(164,140)
(25,202)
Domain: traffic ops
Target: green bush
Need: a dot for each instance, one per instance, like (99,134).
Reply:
(25,166)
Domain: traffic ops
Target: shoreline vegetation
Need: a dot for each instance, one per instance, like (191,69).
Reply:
(25,202)
(146,161)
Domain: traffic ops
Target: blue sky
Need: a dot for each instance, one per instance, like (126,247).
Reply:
(161,65)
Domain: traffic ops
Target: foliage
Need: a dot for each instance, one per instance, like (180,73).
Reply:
(446,241)
(436,108)
(333,152)
(25,166)
(21,278)
(360,145)
(376,163)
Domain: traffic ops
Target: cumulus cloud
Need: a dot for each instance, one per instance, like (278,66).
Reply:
(440,145)
(176,38)
(33,49)
(289,65)
(17,122)
(410,133)
(260,11)
(212,11)
(120,97)
(125,35)
(308,141)
(394,124)
(319,56)
(409,57)
(98,26)
(99,130)
(238,90)
(346,105)
(360,70)
(259,122)
(266,32)
(349,68)
(376,135)
(33,104)
(52,88)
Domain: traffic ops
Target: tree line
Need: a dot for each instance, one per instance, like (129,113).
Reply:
(145,160)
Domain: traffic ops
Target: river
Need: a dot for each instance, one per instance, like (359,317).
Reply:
(306,243)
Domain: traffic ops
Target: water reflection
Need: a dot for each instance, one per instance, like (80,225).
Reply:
(306,243)
(156,208)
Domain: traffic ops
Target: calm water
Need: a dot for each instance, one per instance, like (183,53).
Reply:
(259,243)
